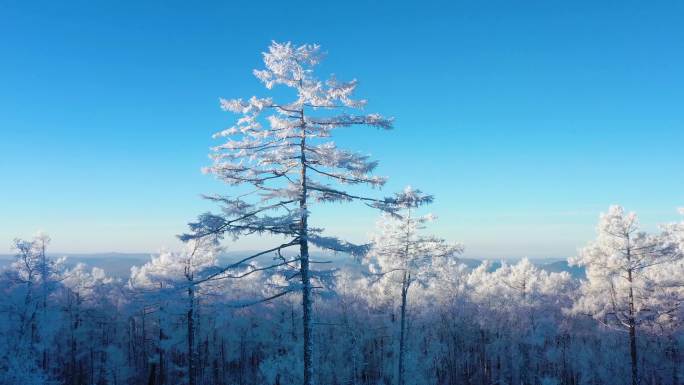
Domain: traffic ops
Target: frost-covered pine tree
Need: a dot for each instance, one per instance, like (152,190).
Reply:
(283,151)
(400,255)
(617,289)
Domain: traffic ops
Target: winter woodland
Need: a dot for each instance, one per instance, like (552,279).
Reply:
(402,309)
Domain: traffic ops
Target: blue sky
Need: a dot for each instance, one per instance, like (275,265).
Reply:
(524,119)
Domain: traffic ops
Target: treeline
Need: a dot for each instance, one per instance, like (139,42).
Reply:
(170,324)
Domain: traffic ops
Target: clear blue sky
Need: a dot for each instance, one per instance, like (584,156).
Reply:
(525,119)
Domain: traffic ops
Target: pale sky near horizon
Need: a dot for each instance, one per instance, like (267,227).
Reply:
(524,119)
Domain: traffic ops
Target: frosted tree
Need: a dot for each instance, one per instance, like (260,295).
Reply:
(675,231)
(400,255)
(617,263)
(41,274)
(665,286)
(283,152)
(165,277)
(33,278)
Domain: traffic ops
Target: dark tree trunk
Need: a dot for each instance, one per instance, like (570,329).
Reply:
(631,322)
(160,352)
(402,331)
(675,361)
(191,335)
(150,378)
(304,268)
(633,353)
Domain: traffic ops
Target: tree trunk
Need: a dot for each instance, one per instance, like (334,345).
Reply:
(633,352)
(160,353)
(402,331)
(306,312)
(191,335)
(405,282)
(675,360)
(631,322)
(150,378)
(44,278)
(304,270)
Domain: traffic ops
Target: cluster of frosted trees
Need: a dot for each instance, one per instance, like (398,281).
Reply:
(402,311)
(416,317)
(517,324)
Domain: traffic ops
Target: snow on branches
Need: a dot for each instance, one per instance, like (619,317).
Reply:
(284,152)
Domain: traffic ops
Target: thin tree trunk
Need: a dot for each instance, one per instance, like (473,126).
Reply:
(294,326)
(405,282)
(304,269)
(160,350)
(74,330)
(161,356)
(44,278)
(144,339)
(191,335)
(150,378)
(633,352)
(402,331)
(674,352)
(631,321)
(307,316)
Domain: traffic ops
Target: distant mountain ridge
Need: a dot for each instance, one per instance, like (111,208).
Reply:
(119,264)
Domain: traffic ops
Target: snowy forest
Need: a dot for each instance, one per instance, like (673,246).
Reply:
(310,308)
